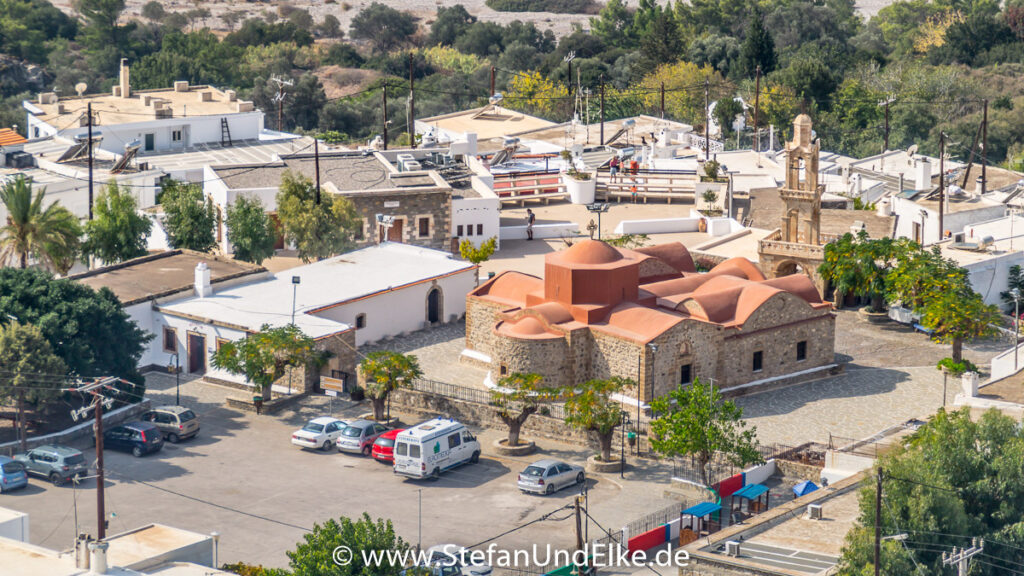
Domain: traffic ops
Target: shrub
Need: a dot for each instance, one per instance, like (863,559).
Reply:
(956,368)
(556,6)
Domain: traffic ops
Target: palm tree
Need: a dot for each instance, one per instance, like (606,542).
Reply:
(50,235)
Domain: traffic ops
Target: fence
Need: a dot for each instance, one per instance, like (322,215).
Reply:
(655,519)
(720,467)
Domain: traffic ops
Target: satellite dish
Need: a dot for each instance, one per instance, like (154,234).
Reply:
(912,150)
(81,87)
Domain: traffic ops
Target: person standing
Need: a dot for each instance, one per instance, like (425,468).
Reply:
(613,166)
(530,219)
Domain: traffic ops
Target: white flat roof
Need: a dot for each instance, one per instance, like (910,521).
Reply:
(324,284)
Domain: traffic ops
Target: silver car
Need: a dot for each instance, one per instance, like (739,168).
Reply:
(453,555)
(549,476)
(359,436)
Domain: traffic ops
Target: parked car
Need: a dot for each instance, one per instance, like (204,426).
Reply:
(384,446)
(549,476)
(139,438)
(175,422)
(431,447)
(56,463)
(319,433)
(458,556)
(359,437)
(12,474)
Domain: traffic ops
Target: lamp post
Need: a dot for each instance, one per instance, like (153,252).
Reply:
(1016,324)
(295,289)
(624,421)
(598,208)
(177,379)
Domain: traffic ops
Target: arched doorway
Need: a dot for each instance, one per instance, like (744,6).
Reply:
(434,305)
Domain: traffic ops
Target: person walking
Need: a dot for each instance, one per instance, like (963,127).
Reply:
(530,219)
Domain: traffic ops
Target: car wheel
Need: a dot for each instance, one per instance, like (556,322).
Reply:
(550,489)
(436,474)
(475,457)
(367,450)
(327,446)
(580,478)
(57,479)
(173,438)
(137,452)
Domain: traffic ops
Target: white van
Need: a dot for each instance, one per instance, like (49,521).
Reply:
(434,446)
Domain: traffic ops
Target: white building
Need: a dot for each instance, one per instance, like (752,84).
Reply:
(195,302)
(158,120)
(917,214)
(987,250)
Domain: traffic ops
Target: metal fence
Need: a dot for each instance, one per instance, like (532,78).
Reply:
(656,519)
(720,467)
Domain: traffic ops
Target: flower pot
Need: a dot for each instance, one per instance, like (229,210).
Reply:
(601,467)
(580,191)
(524,448)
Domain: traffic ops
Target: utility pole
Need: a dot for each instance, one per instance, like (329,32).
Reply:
(970,158)
(962,558)
(568,60)
(89,112)
(316,166)
(579,534)
(602,109)
(707,121)
(942,183)
(492,82)
(412,106)
(281,83)
(878,523)
(96,388)
(662,100)
(757,108)
(984,147)
(385,99)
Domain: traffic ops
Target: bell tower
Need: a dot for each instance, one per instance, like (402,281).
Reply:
(801,220)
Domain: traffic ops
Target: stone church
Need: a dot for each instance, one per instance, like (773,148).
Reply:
(647,315)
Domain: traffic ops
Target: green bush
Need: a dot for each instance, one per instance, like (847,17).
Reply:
(956,368)
(556,6)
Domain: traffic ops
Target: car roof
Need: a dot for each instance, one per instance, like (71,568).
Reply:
(325,420)
(6,459)
(361,423)
(57,449)
(433,427)
(547,463)
(392,434)
(171,409)
(140,425)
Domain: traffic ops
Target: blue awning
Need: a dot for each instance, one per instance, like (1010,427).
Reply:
(750,491)
(702,509)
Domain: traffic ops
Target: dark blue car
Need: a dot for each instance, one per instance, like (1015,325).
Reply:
(139,438)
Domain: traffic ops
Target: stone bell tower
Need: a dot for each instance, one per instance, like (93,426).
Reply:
(801,220)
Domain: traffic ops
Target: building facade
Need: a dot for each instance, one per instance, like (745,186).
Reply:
(647,315)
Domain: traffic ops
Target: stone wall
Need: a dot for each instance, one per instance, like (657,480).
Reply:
(435,203)
(797,471)
(82,430)
(547,356)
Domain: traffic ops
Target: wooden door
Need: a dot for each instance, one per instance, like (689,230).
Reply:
(395,232)
(196,353)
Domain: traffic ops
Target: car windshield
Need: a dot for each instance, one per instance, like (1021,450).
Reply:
(313,427)
(352,432)
(13,468)
(74,459)
(535,471)
(385,442)
(187,416)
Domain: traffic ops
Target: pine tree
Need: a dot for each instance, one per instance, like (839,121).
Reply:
(758,49)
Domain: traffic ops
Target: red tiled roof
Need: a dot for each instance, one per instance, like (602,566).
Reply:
(9,136)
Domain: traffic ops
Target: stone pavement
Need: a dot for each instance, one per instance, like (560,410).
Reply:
(438,350)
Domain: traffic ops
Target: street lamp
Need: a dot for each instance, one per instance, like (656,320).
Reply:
(177,379)
(598,208)
(623,422)
(1016,324)
(295,289)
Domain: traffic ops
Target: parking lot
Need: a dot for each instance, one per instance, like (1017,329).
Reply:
(241,477)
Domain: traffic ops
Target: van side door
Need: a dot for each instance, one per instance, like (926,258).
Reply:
(456,450)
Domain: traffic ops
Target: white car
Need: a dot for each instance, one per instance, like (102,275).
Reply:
(549,476)
(319,433)
(454,555)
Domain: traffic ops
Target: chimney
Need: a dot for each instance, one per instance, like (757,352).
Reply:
(203,288)
(126,87)
(98,552)
(82,551)
(923,174)
(978,188)
(181,86)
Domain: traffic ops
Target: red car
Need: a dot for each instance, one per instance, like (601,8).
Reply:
(384,446)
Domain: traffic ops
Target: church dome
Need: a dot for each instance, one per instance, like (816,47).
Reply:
(591,252)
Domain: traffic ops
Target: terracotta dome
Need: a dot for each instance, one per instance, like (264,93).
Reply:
(591,252)
(528,326)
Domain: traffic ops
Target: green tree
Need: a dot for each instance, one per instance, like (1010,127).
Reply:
(117,231)
(959,315)
(49,235)
(589,407)
(954,479)
(1016,281)
(696,421)
(317,231)
(101,18)
(384,372)
(726,111)
(920,275)
(265,356)
(383,26)
(478,255)
(312,556)
(614,25)
(662,41)
(516,398)
(450,23)
(153,11)
(189,216)
(29,370)
(251,230)
(88,329)
(758,49)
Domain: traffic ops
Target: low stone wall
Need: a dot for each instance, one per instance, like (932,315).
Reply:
(83,430)
(798,471)
(272,407)
(784,381)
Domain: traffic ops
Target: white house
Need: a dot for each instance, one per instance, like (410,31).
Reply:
(987,250)
(917,214)
(158,120)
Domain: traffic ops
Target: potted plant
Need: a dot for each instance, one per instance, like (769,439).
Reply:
(710,189)
(581,186)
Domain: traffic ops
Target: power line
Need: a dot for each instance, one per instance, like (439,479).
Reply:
(542,518)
